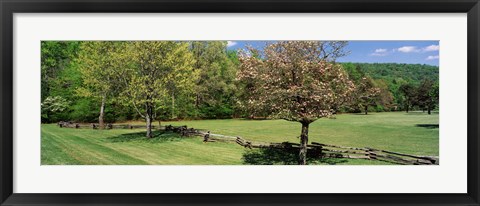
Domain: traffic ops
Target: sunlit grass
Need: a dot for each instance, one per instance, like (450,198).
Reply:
(413,133)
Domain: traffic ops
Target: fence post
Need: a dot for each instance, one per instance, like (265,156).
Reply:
(205,138)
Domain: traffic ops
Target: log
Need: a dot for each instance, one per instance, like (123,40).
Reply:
(393,159)
(390,161)
(218,135)
(424,161)
(343,151)
(407,155)
(343,147)
(356,157)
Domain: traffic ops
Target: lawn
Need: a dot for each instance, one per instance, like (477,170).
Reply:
(412,133)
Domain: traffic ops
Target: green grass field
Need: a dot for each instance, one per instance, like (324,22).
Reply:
(413,133)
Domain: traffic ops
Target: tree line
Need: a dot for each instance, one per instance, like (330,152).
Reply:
(401,87)
(79,77)
(217,93)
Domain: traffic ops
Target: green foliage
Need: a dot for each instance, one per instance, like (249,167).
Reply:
(366,94)
(83,72)
(384,99)
(55,57)
(427,95)
(59,75)
(159,69)
(393,76)
(84,110)
(99,66)
(409,95)
(215,87)
(154,71)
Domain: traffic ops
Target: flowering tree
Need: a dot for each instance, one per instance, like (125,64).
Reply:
(298,81)
(52,105)
(251,86)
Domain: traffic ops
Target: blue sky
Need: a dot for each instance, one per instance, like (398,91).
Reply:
(411,52)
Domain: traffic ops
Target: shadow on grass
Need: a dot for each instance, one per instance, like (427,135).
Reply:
(271,156)
(256,119)
(428,126)
(158,137)
(362,114)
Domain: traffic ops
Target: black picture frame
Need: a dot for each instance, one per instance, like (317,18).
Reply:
(10,7)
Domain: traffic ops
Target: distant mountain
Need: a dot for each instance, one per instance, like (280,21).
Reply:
(393,72)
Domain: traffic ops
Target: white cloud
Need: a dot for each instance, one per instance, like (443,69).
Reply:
(380,52)
(408,49)
(431,48)
(231,43)
(432,57)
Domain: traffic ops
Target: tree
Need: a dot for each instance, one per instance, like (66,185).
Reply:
(394,75)
(53,105)
(55,56)
(366,93)
(298,81)
(408,93)
(427,95)
(384,100)
(99,64)
(215,86)
(154,70)
(57,67)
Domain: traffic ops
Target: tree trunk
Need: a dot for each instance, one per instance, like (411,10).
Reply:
(303,144)
(407,108)
(101,122)
(428,110)
(197,100)
(48,120)
(173,106)
(149,119)
(149,127)
(366,110)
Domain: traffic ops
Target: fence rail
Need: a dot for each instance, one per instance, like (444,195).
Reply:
(97,126)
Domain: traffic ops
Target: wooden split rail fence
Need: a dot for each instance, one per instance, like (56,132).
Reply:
(183,130)
(96,126)
(334,151)
(315,149)
(377,154)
